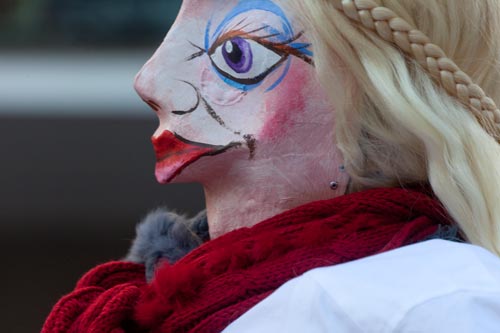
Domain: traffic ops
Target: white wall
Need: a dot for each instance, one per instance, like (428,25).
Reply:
(86,83)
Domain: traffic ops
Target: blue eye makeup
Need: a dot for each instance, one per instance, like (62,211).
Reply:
(242,58)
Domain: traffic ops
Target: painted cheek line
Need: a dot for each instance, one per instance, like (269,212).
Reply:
(210,110)
(251,144)
(191,110)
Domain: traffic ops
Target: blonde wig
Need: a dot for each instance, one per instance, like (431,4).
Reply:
(399,125)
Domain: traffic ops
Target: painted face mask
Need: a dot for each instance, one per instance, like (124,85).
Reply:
(234,87)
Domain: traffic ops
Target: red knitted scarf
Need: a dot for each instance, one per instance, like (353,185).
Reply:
(218,282)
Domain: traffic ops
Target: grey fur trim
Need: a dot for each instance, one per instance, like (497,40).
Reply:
(165,235)
(447,232)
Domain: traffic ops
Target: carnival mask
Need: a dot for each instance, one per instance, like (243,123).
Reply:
(234,87)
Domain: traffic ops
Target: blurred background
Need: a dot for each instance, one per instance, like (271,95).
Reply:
(75,155)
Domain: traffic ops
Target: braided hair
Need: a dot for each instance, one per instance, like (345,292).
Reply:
(421,80)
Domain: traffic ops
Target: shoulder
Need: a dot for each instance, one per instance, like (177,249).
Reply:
(441,284)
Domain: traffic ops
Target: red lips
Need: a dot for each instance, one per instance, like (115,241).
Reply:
(174,154)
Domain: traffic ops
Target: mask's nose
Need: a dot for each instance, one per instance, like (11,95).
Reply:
(169,97)
(144,86)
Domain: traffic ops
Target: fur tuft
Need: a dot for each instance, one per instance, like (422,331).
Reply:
(166,236)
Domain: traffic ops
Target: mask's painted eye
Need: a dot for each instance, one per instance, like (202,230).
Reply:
(238,55)
(245,61)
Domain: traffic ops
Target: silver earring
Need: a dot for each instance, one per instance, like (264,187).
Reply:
(335,185)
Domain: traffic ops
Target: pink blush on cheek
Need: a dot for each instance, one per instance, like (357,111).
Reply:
(285,103)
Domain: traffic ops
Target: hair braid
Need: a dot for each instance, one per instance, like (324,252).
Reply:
(392,28)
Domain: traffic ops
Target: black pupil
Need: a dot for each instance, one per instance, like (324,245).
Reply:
(236,54)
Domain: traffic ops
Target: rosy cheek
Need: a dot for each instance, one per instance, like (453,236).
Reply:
(286,102)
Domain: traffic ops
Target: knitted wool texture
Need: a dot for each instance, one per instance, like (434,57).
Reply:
(219,281)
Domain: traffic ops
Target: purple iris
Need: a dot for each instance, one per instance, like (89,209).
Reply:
(238,55)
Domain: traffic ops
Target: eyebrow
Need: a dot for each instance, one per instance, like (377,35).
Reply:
(245,6)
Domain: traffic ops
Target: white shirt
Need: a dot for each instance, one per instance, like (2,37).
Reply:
(434,286)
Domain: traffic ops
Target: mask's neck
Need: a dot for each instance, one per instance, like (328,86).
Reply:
(263,188)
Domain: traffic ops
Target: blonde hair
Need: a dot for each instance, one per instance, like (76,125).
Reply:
(398,126)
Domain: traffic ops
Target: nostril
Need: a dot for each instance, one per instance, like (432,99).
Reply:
(153,105)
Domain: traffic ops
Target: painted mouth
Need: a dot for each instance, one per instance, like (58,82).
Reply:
(175,153)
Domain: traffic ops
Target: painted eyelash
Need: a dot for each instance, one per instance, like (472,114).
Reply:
(239,25)
(284,48)
(287,47)
(224,37)
(201,51)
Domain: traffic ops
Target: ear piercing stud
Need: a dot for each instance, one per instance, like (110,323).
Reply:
(334,185)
